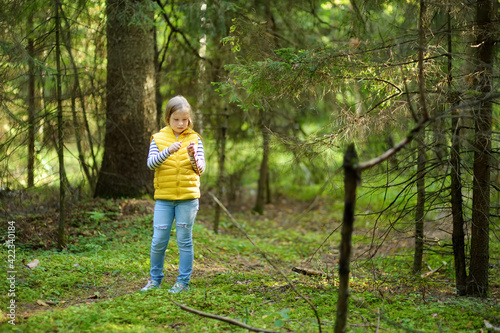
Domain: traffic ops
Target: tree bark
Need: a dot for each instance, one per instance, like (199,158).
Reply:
(420,209)
(157,66)
(61,237)
(130,101)
(31,107)
(477,284)
(351,180)
(260,200)
(458,234)
(221,178)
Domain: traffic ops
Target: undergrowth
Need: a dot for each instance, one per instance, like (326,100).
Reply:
(93,285)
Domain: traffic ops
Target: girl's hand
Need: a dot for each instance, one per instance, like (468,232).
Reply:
(190,149)
(174,147)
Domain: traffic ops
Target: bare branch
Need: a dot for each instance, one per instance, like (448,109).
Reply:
(179,31)
(236,224)
(422,124)
(225,319)
(390,152)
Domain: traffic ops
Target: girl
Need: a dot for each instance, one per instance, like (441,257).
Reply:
(176,154)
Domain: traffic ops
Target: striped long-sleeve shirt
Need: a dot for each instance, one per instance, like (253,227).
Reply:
(156,158)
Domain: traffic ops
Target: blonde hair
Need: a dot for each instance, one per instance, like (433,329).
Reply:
(178,103)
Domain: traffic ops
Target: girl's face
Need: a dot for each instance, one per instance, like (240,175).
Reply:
(179,121)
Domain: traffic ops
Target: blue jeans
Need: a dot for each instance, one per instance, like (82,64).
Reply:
(184,213)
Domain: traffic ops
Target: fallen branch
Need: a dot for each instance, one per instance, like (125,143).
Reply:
(431,272)
(310,272)
(236,224)
(225,319)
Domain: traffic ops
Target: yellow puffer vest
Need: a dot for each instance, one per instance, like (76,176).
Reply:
(175,179)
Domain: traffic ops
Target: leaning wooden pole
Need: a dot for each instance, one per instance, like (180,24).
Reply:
(351,181)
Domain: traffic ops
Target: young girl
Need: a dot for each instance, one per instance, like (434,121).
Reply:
(176,154)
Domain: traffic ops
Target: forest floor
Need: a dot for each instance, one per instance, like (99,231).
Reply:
(300,237)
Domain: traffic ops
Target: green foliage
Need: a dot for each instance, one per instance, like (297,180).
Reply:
(232,40)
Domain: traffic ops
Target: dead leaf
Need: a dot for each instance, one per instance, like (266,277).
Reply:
(95,296)
(33,264)
(354,42)
(41,303)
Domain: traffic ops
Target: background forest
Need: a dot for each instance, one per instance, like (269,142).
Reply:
(291,98)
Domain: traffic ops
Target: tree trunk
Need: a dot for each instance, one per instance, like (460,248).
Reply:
(264,167)
(420,209)
(351,180)
(61,241)
(156,65)
(477,284)
(31,107)
(265,120)
(458,234)
(130,102)
(202,74)
(221,178)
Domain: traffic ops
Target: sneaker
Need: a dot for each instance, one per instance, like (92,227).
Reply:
(151,285)
(178,288)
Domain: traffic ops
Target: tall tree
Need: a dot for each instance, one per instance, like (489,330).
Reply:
(421,159)
(130,102)
(265,120)
(458,234)
(478,272)
(31,105)
(221,179)
(60,132)
(260,199)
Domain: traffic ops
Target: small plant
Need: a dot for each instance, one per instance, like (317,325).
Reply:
(97,217)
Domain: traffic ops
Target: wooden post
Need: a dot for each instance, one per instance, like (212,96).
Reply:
(351,181)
